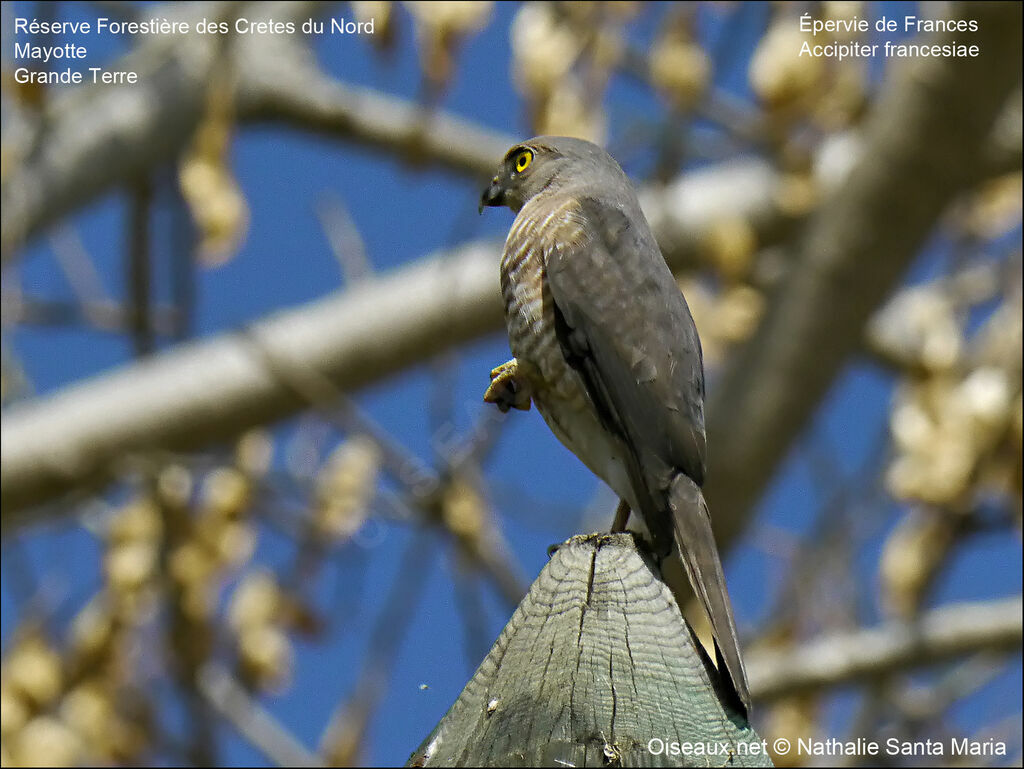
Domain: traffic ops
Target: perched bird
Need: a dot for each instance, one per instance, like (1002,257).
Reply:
(605,345)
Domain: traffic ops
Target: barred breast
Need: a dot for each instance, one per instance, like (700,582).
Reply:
(558,391)
(529,309)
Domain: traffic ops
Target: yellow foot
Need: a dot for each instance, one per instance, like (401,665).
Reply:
(508,390)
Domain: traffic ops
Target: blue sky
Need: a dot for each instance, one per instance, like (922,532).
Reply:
(404,214)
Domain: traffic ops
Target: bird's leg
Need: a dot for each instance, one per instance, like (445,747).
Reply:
(509,389)
(621,517)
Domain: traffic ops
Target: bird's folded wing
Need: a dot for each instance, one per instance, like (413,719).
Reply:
(626,327)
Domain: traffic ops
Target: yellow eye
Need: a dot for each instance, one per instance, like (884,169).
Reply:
(523,160)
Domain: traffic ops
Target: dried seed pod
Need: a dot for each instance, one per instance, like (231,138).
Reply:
(254,453)
(345,487)
(174,486)
(88,710)
(47,741)
(440,27)
(792,718)
(92,633)
(995,209)
(129,566)
(234,543)
(782,79)
(191,563)
(544,49)
(138,521)
(226,493)
(738,312)
(33,670)
(463,508)
(265,656)
(208,183)
(919,327)
(679,67)
(569,110)
(14,710)
(911,557)
(730,244)
(256,601)
(381,14)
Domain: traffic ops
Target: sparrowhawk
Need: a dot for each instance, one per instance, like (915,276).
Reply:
(604,344)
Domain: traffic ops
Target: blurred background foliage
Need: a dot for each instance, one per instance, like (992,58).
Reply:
(276,597)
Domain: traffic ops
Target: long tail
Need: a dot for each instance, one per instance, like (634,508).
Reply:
(699,554)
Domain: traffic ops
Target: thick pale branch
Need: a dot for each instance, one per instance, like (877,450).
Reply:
(209,391)
(100,138)
(921,147)
(198,394)
(854,252)
(864,655)
(283,83)
(133,128)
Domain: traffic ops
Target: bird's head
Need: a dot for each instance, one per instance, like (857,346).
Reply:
(541,164)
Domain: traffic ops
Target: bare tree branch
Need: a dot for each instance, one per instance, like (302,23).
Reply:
(208,391)
(99,137)
(279,81)
(134,128)
(229,698)
(283,83)
(939,635)
(343,737)
(919,152)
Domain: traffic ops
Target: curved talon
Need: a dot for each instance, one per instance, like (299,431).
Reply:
(507,389)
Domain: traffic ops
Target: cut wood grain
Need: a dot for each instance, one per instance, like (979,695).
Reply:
(596,668)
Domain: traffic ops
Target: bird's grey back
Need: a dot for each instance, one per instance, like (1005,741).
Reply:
(669,414)
(594,173)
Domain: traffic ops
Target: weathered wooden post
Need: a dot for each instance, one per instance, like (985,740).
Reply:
(597,667)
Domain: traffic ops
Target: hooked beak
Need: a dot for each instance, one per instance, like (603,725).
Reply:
(494,195)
